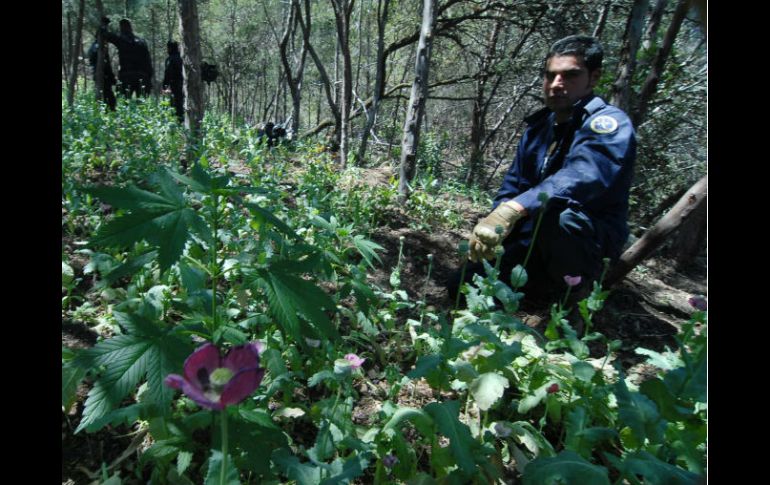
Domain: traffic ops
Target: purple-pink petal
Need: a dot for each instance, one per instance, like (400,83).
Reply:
(241,357)
(698,302)
(355,361)
(258,346)
(197,395)
(205,357)
(572,280)
(241,386)
(174,381)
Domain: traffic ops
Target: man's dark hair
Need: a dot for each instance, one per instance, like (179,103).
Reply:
(584,46)
(125,26)
(172,46)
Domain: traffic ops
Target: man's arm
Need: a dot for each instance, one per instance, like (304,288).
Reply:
(593,164)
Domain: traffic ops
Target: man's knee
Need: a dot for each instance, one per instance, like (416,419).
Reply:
(571,245)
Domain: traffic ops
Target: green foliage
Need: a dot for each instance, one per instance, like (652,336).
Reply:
(285,255)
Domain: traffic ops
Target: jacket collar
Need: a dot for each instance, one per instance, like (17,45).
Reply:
(589,104)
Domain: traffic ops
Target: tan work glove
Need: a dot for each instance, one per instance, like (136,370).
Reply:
(485,238)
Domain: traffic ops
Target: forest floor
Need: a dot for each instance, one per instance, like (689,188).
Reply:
(644,310)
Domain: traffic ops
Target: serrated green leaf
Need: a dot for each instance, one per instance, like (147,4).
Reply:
(657,391)
(183,460)
(290,465)
(126,359)
(487,389)
(131,266)
(270,217)
(321,376)
(655,471)
(462,444)
(71,376)
(126,415)
(639,413)
(132,198)
(368,250)
(567,468)
(352,467)
(583,371)
(424,365)
(215,467)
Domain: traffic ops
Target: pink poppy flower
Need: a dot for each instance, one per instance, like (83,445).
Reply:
(572,280)
(213,381)
(552,388)
(355,361)
(698,302)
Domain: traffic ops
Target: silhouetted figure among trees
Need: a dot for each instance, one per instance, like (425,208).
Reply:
(135,72)
(173,80)
(109,75)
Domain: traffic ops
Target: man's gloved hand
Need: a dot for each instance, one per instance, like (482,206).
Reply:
(485,236)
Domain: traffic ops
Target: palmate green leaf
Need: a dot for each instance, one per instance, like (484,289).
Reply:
(215,468)
(268,216)
(367,249)
(131,266)
(127,359)
(655,471)
(567,468)
(487,389)
(132,198)
(294,295)
(462,444)
(71,376)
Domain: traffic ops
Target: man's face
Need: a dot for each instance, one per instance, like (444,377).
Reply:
(567,80)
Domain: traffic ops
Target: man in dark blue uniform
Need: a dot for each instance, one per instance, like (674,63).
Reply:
(580,152)
(135,73)
(173,81)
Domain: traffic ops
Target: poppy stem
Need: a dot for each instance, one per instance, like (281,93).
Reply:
(222,471)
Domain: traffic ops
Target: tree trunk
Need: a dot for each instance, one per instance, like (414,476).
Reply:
(688,205)
(342,11)
(101,56)
(67,48)
(621,89)
(689,238)
(651,32)
(191,62)
(417,99)
(77,49)
(478,118)
(602,20)
(325,82)
(295,82)
(651,83)
(379,82)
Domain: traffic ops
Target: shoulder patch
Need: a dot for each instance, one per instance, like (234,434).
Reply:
(604,124)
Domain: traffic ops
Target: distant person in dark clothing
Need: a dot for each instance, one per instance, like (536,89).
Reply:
(109,77)
(173,81)
(135,73)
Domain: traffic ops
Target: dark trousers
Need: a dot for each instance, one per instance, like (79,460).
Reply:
(177,101)
(108,95)
(569,242)
(129,86)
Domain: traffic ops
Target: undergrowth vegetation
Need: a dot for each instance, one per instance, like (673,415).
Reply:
(270,249)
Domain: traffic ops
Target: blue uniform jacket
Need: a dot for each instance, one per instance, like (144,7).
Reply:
(591,170)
